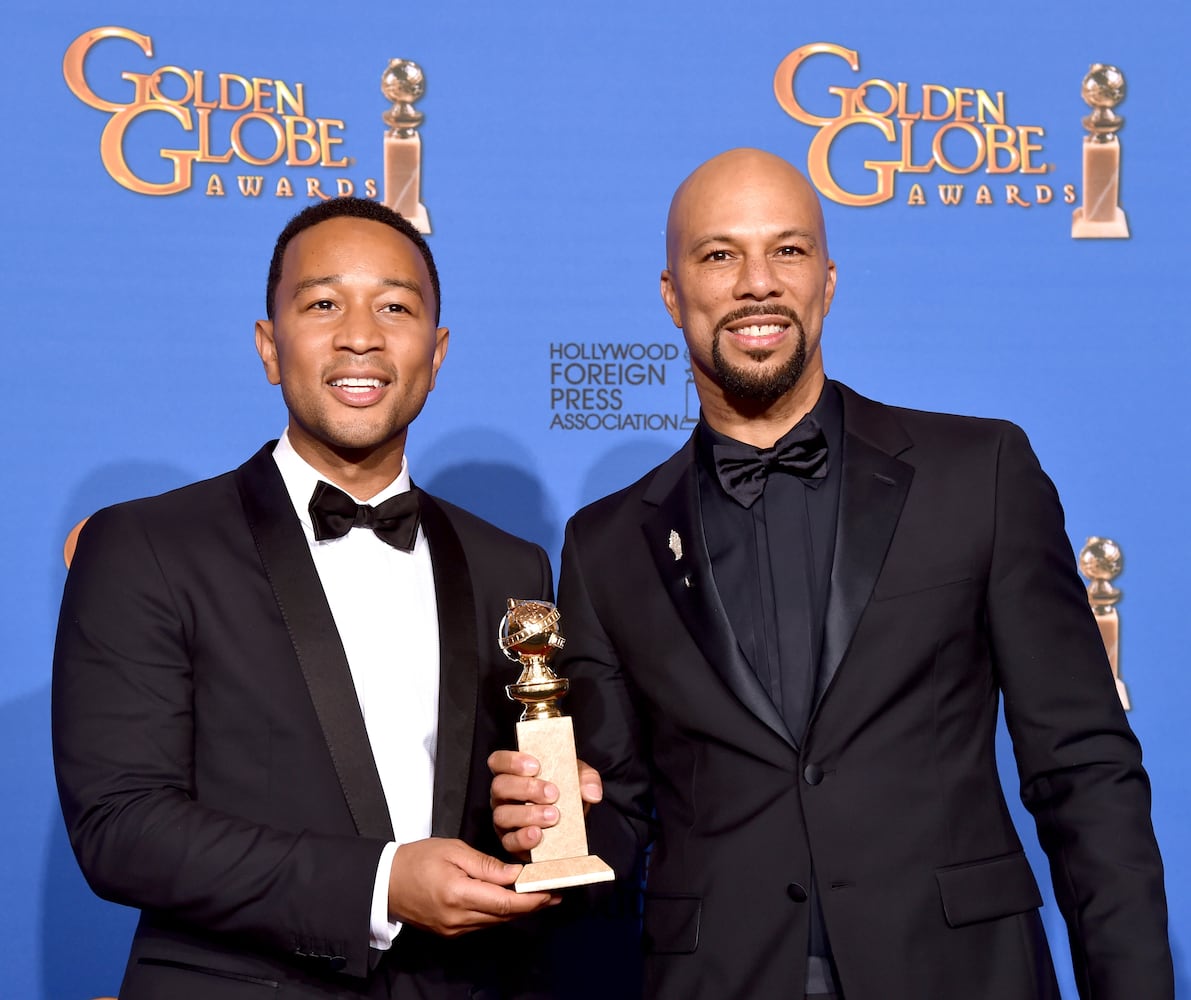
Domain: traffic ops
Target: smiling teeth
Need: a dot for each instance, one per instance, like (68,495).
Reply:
(759,331)
(357,383)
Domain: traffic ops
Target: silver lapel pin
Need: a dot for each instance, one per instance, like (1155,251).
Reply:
(675,545)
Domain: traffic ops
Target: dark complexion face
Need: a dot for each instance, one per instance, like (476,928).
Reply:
(748,278)
(353,342)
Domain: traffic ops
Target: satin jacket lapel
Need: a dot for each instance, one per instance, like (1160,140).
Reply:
(872,494)
(674,534)
(458,683)
(285,556)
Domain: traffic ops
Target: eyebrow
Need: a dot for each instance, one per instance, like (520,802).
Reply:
(337,279)
(785,234)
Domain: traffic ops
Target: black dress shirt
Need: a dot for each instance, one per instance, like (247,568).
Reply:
(772,566)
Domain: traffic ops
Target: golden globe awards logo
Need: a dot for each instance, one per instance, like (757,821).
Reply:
(933,135)
(228,122)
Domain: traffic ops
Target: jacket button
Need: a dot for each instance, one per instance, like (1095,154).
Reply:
(337,963)
(796,892)
(812,774)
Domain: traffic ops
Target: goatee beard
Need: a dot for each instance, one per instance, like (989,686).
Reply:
(755,383)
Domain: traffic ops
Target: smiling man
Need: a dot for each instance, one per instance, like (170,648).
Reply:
(271,689)
(786,647)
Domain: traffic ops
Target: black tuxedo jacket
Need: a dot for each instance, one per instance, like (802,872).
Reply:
(953,585)
(211,757)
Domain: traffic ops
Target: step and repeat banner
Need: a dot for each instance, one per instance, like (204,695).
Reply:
(1005,190)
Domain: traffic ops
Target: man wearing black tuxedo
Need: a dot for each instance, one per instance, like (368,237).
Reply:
(786,646)
(274,690)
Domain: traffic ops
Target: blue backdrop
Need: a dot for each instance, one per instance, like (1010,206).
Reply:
(553,138)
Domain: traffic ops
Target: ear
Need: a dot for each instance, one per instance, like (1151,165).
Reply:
(670,298)
(441,336)
(266,347)
(829,288)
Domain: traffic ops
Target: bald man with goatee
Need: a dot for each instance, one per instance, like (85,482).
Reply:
(786,647)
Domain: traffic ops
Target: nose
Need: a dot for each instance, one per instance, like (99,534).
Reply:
(757,278)
(359,332)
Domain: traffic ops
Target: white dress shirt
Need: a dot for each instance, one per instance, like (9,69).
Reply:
(383,603)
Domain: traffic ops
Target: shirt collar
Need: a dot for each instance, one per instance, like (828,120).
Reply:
(828,411)
(301,477)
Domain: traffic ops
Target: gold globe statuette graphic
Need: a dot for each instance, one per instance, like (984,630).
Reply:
(404,83)
(529,635)
(1100,216)
(1101,561)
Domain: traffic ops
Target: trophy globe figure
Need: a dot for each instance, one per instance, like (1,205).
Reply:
(1103,90)
(403,83)
(529,635)
(1101,561)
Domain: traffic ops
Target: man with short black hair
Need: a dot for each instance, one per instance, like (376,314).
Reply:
(272,688)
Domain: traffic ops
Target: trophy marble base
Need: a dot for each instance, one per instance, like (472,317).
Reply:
(561,859)
(543,876)
(1083,228)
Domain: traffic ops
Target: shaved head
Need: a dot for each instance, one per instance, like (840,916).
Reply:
(748,280)
(733,168)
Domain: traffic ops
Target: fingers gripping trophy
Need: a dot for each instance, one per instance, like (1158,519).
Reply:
(529,635)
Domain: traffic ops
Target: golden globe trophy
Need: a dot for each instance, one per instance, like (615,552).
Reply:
(529,635)
(1100,216)
(1101,561)
(403,83)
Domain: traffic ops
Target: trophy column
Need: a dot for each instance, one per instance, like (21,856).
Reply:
(529,635)
(403,83)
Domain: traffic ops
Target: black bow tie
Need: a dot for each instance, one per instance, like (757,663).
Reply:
(333,514)
(743,469)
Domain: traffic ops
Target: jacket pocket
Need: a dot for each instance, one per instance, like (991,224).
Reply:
(988,889)
(159,978)
(671,923)
(892,586)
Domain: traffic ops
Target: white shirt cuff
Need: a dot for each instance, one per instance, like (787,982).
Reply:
(382,930)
